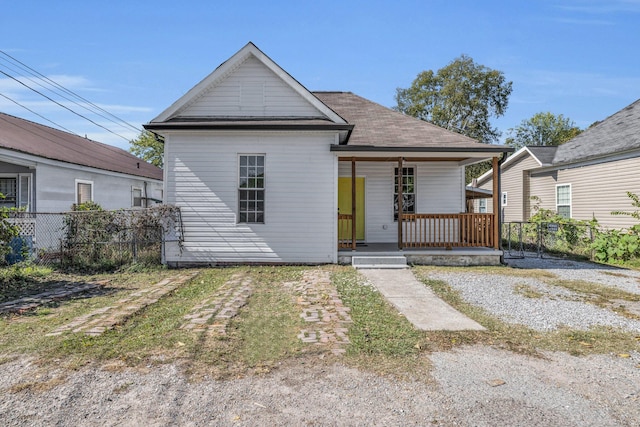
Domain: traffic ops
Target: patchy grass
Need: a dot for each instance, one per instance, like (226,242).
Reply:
(381,338)
(264,333)
(603,296)
(500,270)
(527,291)
(521,339)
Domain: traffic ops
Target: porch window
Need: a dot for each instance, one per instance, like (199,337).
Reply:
(563,200)
(84,191)
(8,188)
(408,192)
(251,189)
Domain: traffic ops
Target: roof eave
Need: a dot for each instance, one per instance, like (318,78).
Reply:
(244,126)
(417,149)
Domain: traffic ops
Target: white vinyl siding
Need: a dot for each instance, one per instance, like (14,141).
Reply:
(300,203)
(251,90)
(439,189)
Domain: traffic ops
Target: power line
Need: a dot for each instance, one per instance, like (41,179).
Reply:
(39,115)
(55,84)
(63,106)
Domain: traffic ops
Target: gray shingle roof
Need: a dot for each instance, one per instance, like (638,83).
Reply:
(544,154)
(617,133)
(379,126)
(39,140)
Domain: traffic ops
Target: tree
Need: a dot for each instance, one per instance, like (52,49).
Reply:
(148,147)
(461,97)
(542,129)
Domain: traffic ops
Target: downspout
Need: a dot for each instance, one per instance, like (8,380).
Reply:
(500,162)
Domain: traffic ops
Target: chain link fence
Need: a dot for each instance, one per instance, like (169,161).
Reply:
(546,239)
(95,239)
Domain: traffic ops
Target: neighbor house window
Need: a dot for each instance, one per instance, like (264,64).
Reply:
(8,188)
(16,190)
(482,205)
(408,192)
(136,197)
(251,189)
(504,199)
(563,200)
(84,191)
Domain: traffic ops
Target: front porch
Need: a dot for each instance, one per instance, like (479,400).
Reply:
(460,256)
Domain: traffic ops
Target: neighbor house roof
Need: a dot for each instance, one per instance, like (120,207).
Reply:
(35,139)
(543,155)
(615,134)
(379,126)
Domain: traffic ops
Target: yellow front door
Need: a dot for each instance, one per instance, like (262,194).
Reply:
(344,206)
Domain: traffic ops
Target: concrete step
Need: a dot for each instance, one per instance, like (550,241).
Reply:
(379,261)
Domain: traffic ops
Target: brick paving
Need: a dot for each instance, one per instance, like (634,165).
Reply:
(106,318)
(213,314)
(323,310)
(58,293)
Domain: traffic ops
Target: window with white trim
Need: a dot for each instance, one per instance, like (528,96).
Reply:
(408,192)
(563,200)
(482,205)
(504,198)
(84,191)
(251,185)
(136,197)
(16,190)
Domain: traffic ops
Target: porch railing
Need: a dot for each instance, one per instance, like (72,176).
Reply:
(344,231)
(447,230)
(434,230)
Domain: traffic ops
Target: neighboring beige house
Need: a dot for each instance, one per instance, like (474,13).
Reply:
(587,177)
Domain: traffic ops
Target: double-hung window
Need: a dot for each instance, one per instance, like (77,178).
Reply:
(563,200)
(84,191)
(482,205)
(251,184)
(408,192)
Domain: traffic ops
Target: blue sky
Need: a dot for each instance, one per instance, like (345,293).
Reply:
(580,58)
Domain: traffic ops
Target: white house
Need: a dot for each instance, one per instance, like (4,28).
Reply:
(265,171)
(47,170)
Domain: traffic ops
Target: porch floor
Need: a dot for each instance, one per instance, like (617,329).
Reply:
(425,256)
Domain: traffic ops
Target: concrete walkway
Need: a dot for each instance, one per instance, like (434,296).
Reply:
(417,302)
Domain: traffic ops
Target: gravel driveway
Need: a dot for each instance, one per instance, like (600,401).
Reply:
(477,385)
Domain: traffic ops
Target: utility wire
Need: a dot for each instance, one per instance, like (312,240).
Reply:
(62,95)
(63,106)
(39,115)
(55,84)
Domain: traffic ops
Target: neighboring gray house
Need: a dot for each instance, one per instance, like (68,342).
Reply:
(265,171)
(586,177)
(47,170)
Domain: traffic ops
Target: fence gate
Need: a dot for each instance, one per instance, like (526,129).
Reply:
(522,239)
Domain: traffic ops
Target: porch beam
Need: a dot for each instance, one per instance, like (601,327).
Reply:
(400,207)
(407,159)
(496,203)
(353,203)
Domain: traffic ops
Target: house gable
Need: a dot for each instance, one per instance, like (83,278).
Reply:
(249,86)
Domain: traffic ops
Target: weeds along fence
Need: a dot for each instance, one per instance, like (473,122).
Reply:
(522,239)
(95,239)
